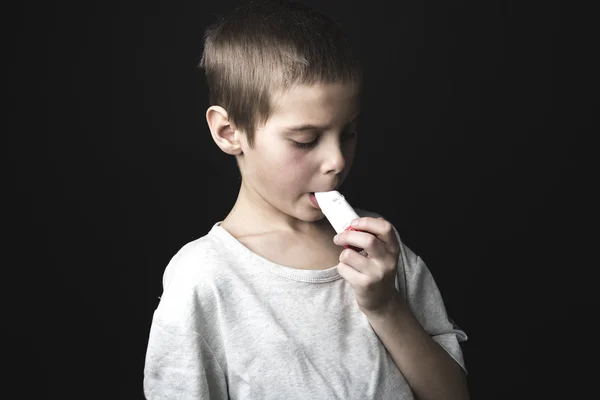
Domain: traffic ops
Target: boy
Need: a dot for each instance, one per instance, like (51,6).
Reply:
(269,304)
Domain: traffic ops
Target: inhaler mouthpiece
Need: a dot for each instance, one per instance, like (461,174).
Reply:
(337,210)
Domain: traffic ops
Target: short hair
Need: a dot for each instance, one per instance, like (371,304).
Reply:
(267,47)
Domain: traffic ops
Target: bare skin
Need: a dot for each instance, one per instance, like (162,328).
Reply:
(290,248)
(306,145)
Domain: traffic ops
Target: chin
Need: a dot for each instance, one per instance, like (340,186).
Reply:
(314,216)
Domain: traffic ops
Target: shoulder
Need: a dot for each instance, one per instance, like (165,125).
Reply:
(193,260)
(193,282)
(190,276)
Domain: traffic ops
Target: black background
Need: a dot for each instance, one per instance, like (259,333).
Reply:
(473,143)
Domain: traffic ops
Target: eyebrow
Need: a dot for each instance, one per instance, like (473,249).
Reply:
(306,127)
(310,127)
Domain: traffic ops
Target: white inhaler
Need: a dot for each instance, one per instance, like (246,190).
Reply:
(339,213)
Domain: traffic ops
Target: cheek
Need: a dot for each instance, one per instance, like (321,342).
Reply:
(289,169)
(292,167)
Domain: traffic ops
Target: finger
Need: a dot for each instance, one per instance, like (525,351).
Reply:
(364,240)
(356,261)
(352,276)
(379,227)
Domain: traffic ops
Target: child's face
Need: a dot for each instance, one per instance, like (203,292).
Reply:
(307,145)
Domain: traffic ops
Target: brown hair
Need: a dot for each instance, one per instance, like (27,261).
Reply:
(269,46)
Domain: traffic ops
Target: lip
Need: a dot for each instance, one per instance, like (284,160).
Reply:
(313,200)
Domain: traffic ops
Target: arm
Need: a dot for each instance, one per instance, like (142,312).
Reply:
(180,363)
(427,367)
(417,331)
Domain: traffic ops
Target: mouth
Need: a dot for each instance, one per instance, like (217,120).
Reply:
(313,200)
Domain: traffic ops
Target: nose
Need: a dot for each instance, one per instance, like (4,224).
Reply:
(334,160)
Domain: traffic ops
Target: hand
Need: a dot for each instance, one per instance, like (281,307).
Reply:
(372,275)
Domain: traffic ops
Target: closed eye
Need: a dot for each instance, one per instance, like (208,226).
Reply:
(347,134)
(304,145)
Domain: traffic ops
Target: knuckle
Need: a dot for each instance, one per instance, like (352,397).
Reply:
(388,228)
(371,241)
(344,256)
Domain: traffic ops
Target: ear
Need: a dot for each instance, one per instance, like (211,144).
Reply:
(223,132)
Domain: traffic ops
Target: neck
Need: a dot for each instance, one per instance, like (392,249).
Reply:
(252,214)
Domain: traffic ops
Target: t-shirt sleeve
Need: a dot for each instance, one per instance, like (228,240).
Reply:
(180,364)
(426,303)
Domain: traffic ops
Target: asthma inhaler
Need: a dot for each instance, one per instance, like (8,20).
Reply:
(339,213)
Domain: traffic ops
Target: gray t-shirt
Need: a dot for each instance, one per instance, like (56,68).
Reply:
(232,325)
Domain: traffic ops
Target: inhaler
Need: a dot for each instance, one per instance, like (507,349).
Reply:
(338,212)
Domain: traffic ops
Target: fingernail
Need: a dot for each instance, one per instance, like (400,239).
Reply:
(354,223)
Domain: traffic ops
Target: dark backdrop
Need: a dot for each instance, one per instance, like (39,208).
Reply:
(472,144)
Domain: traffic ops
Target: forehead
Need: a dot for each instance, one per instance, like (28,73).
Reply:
(321,103)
